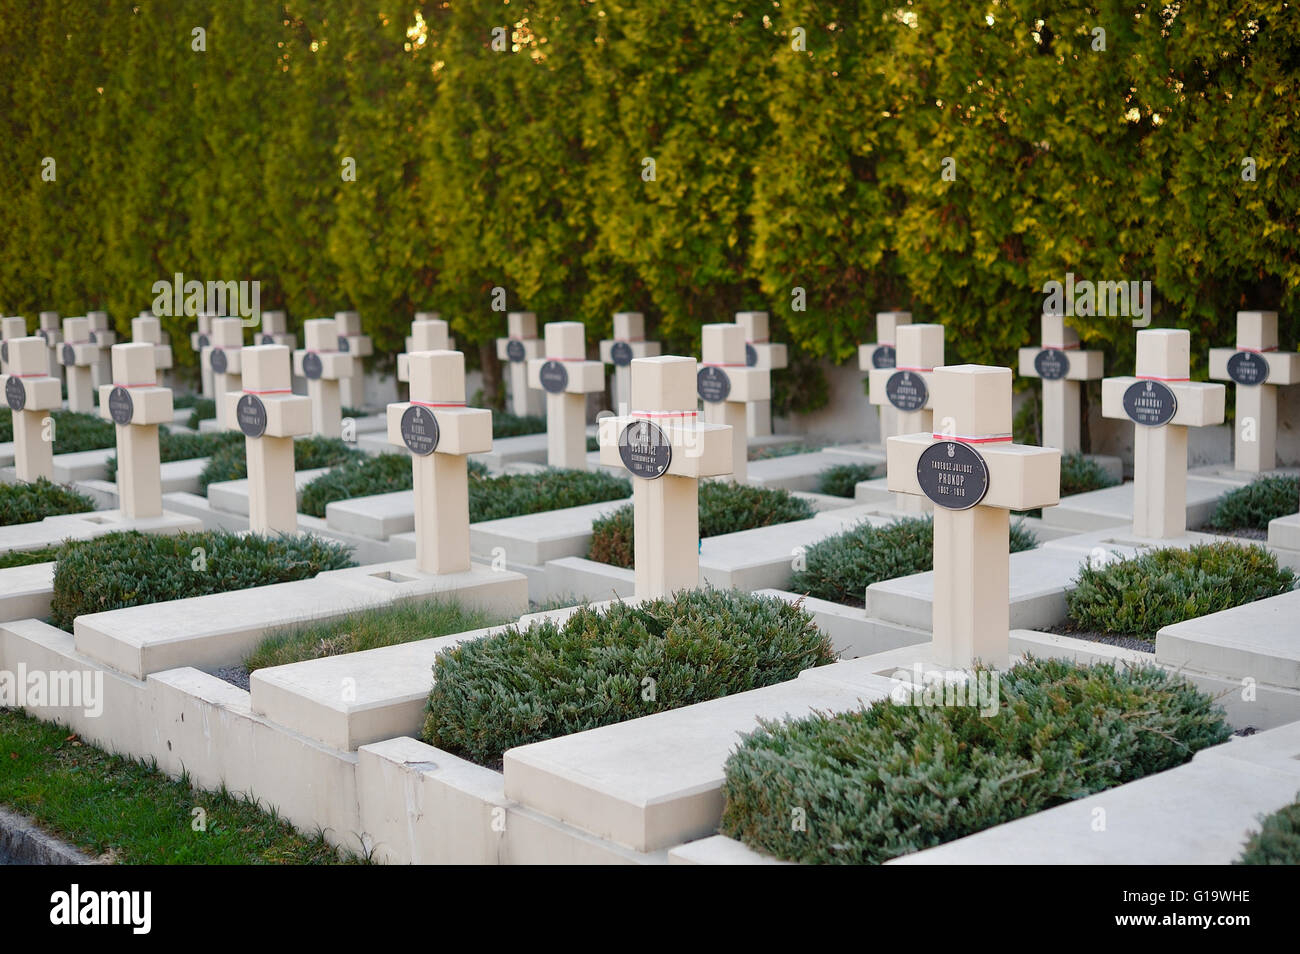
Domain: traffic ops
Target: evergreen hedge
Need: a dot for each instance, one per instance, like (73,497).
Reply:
(1278,840)
(840,568)
(798,149)
(842,480)
(177,445)
(1253,506)
(131,568)
(897,777)
(29,502)
(724,507)
(1139,595)
(604,666)
(73,431)
(230,461)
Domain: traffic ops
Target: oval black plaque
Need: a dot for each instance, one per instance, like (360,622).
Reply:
(953,475)
(69,355)
(93,339)
(515,350)
(621,354)
(554,377)
(44,335)
(250,413)
(713,384)
(268,339)
(121,408)
(1150,403)
(645,450)
(311,366)
(1246,367)
(751,356)
(219,363)
(15,393)
(204,341)
(884,357)
(4,351)
(1052,364)
(343,343)
(420,430)
(906,390)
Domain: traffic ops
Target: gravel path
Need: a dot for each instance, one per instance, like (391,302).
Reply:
(235,675)
(1125,642)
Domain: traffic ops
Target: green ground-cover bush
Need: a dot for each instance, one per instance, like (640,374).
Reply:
(529,684)
(840,568)
(131,568)
(205,409)
(175,445)
(1253,506)
(895,778)
(29,502)
(1139,595)
(28,557)
(842,479)
(1278,840)
(229,462)
(369,629)
(724,507)
(1080,475)
(505,424)
(73,431)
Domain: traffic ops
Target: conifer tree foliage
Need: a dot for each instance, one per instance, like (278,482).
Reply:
(931,155)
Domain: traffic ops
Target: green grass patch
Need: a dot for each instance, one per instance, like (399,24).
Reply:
(205,409)
(369,629)
(1253,506)
(505,424)
(28,557)
(131,568)
(182,401)
(895,778)
(123,810)
(842,479)
(782,450)
(1138,596)
(174,445)
(607,666)
(229,462)
(840,568)
(29,502)
(1278,840)
(725,507)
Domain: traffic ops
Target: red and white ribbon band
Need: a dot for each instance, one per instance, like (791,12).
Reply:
(963,439)
(758,341)
(665,413)
(1259,350)
(628,340)
(269,391)
(322,350)
(921,370)
(549,358)
(724,364)
(150,384)
(1063,347)
(429,404)
(34,374)
(884,344)
(1152,377)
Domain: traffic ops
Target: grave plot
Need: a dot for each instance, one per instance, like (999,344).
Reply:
(566,377)
(1162,501)
(883,354)
(765,355)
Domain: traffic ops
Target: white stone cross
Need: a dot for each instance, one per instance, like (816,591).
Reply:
(975,476)
(666,450)
(627,344)
(11,327)
(727,385)
(352,387)
(270,416)
(521,346)
(322,364)
(440,433)
(275,330)
(78,354)
(49,329)
(225,362)
(761,353)
(200,341)
(146,329)
(1162,403)
(907,388)
(103,336)
(1061,365)
(1258,369)
(136,404)
(567,377)
(31,393)
(428,333)
(882,353)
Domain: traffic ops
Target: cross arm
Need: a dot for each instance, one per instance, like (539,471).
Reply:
(1021,477)
(1084,365)
(640,349)
(698,450)
(333,364)
(879,378)
(531,347)
(584,376)
(461,430)
(1200,403)
(287,415)
(148,405)
(1283,366)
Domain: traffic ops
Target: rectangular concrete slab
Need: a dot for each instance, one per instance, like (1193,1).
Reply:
(580,579)
(655,782)
(25,591)
(232,495)
(536,538)
(1259,641)
(221,628)
(852,632)
(719,850)
(82,465)
(1113,506)
(377,516)
(801,471)
(354,699)
(1039,581)
(83,526)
